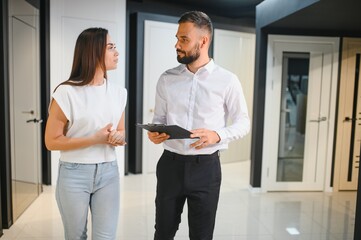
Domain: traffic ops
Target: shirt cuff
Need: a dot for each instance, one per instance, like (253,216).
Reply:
(222,135)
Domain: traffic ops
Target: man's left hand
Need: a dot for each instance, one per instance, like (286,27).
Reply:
(206,137)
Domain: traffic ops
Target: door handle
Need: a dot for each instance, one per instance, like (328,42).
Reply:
(35,120)
(286,110)
(29,112)
(348,119)
(320,119)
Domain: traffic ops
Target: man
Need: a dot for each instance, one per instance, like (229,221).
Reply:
(200,96)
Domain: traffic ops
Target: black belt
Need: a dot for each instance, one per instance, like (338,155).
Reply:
(190,157)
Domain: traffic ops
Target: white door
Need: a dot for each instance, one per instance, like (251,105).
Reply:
(159,55)
(235,51)
(299,120)
(25,122)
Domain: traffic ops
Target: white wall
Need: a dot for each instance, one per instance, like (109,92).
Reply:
(67,19)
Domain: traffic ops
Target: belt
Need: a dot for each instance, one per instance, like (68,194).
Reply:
(191,157)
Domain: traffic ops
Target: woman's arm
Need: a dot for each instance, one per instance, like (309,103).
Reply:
(55,138)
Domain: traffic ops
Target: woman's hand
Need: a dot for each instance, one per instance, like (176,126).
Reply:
(102,135)
(117,138)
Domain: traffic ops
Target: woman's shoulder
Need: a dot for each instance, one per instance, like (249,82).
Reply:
(116,87)
(67,89)
(62,87)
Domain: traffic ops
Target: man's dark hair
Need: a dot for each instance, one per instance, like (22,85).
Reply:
(199,19)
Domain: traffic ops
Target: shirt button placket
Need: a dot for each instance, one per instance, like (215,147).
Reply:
(192,102)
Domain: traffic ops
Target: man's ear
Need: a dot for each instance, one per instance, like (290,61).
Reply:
(205,41)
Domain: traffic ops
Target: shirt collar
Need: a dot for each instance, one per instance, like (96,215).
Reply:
(209,67)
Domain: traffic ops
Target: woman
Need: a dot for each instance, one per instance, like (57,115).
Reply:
(86,123)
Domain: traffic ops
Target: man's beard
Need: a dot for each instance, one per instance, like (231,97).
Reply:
(190,58)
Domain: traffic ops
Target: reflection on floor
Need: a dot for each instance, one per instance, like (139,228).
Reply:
(24,194)
(242,214)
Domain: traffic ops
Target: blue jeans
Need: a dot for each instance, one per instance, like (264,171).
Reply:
(88,186)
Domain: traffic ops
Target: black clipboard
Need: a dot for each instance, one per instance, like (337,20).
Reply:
(174,131)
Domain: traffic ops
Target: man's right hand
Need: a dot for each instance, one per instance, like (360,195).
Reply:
(157,137)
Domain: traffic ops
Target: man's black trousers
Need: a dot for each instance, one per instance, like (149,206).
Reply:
(195,178)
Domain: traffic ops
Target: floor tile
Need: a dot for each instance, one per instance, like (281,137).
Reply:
(241,215)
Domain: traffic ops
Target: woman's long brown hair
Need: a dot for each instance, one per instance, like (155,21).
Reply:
(89,53)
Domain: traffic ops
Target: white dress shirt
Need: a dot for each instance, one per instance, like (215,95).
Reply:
(211,98)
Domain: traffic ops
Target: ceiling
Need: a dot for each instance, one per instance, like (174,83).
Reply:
(324,17)
(235,9)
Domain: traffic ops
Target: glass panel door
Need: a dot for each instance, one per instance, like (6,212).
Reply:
(299,125)
(293,117)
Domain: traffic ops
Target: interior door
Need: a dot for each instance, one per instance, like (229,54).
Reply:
(159,55)
(347,153)
(235,51)
(298,124)
(25,122)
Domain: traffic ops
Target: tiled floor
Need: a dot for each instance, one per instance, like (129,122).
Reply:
(242,215)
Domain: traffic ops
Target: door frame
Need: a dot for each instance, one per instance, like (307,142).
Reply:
(269,125)
(5,148)
(45,94)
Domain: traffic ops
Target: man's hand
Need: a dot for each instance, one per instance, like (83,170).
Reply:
(157,137)
(206,137)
